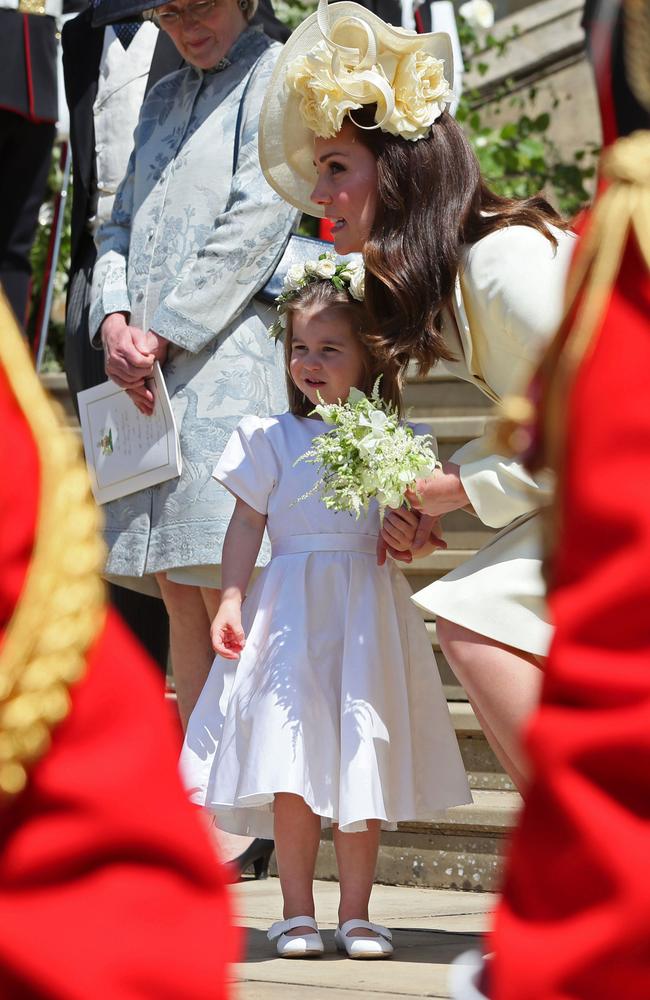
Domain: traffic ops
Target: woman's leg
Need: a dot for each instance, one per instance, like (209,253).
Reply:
(189,641)
(297,836)
(356,857)
(503,685)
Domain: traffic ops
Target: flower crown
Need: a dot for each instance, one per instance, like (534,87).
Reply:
(332,79)
(344,275)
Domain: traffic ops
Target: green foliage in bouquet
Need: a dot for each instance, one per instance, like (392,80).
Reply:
(370,454)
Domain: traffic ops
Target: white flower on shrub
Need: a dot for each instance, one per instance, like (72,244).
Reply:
(478,13)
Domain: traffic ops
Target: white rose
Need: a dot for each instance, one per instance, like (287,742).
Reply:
(325,268)
(478,13)
(356,274)
(357,285)
(295,277)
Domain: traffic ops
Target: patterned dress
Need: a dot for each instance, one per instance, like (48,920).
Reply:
(193,237)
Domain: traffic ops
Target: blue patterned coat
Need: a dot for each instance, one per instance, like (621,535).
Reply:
(188,246)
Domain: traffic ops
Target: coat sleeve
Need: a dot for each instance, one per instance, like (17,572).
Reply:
(514,291)
(109,287)
(242,250)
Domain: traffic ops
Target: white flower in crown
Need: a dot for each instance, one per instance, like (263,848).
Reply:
(478,13)
(294,278)
(326,268)
(344,275)
(356,273)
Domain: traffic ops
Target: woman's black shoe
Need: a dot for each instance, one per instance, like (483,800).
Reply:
(258,854)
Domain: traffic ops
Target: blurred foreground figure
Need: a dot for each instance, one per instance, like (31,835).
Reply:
(108,887)
(574,923)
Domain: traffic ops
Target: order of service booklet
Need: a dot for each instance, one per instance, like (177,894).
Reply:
(125,450)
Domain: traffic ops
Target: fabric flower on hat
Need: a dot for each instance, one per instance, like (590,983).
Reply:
(421,94)
(410,91)
(323,104)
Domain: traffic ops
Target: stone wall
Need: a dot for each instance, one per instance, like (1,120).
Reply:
(548,54)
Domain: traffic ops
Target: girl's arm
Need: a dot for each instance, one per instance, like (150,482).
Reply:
(240,548)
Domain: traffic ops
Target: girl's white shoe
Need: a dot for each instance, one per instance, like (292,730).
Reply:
(296,945)
(364,947)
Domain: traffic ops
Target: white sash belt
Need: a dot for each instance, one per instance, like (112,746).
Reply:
(335,541)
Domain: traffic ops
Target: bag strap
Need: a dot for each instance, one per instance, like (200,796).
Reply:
(240,114)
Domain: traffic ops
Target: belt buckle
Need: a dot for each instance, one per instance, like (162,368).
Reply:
(31,6)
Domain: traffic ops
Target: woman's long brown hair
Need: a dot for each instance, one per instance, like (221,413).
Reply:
(432,201)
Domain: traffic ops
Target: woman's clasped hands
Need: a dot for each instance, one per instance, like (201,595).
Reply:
(130,354)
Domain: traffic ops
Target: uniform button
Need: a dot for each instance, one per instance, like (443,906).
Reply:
(139,297)
(150,235)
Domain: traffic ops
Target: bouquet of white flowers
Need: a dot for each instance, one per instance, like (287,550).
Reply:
(369,455)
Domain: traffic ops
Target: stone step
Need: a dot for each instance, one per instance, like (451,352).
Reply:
(456,428)
(444,395)
(463,850)
(421,572)
(462,530)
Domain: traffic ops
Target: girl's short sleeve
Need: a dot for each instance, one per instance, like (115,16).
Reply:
(248,467)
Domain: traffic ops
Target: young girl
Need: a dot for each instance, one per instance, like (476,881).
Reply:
(335,713)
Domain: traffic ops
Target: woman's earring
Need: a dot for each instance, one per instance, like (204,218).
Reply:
(243,5)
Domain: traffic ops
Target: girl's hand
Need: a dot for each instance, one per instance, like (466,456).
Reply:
(421,533)
(398,531)
(226,632)
(440,492)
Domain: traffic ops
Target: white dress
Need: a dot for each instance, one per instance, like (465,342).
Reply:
(336,696)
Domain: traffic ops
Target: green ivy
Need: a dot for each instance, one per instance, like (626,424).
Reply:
(519,158)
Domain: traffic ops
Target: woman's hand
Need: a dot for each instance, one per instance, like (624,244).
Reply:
(130,354)
(439,493)
(407,534)
(226,632)
(128,359)
(141,395)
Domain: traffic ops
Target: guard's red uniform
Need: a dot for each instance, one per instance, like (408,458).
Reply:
(574,922)
(108,885)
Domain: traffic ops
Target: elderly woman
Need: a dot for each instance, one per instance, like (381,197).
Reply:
(195,232)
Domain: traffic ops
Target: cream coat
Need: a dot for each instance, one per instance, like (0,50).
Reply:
(508,303)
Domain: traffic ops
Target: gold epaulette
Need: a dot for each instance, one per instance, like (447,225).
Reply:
(62,605)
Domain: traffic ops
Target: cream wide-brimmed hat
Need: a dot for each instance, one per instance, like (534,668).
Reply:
(341,58)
